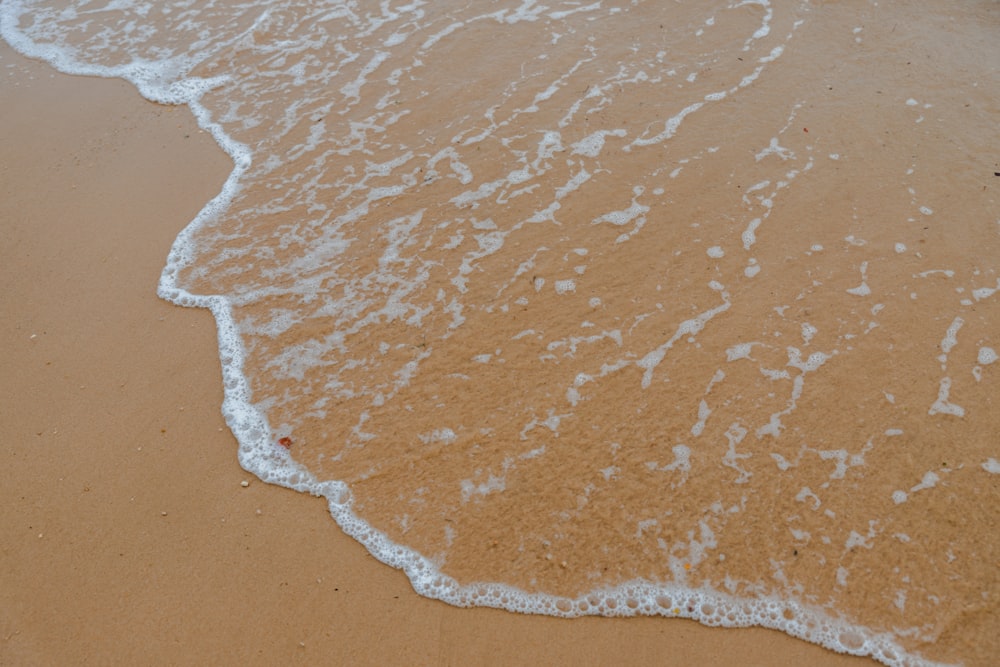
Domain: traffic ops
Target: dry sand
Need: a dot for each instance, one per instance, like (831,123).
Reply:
(125,533)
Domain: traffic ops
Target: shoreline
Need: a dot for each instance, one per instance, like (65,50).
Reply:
(128,533)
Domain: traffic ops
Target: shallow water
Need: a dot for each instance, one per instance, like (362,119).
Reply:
(608,308)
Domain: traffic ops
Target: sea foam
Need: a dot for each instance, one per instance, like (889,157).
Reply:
(514,274)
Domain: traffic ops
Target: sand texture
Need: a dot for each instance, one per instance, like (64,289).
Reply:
(126,536)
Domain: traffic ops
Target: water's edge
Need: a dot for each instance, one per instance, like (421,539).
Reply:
(258,453)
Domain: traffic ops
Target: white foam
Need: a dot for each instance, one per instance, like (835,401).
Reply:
(812,362)
(732,458)
(682,459)
(950,340)
(739,351)
(670,127)
(942,406)
(442,435)
(782,463)
(774,149)
(567,286)
(592,144)
(623,217)
(689,327)
(862,289)
(493,484)
(805,493)
(703,414)
(981,293)
(929,481)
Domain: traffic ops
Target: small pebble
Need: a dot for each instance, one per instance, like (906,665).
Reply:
(163,514)
(244,484)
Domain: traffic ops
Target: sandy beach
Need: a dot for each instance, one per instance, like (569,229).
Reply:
(129,535)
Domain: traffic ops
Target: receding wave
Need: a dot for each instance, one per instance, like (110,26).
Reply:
(607,308)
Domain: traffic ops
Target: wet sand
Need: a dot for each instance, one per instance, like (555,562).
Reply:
(127,536)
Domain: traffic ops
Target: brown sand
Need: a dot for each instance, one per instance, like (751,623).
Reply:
(125,533)
(888,131)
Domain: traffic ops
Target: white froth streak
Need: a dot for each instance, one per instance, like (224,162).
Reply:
(591,145)
(943,406)
(950,340)
(765,27)
(636,212)
(862,289)
(686,328)
(160,81)
(981,293)
(563,14)
(352,90)
(774,148)
(929,481)
(812,362)
(674,122)
(703,413)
